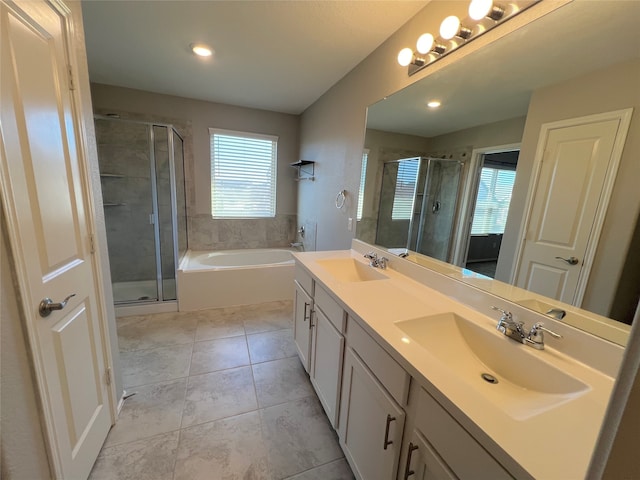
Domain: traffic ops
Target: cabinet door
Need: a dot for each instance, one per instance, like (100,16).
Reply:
(423,462)
(303,307)
(326,364)
(371,423)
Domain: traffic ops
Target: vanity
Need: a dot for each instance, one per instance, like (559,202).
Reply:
(418,382)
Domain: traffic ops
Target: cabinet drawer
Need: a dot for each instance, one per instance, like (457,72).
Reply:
(304,279)
(333,311)
(386,369)
(460,451)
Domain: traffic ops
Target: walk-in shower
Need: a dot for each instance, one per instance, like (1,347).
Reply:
(418,205)
(143,192)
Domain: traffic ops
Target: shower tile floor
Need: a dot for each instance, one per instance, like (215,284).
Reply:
(219,394)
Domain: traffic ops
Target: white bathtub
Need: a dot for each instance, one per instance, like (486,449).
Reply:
(234,277)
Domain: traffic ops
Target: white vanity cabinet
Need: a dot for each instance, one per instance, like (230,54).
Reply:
(371,423)
(423,462)
(327,352)
(302,318)
(374,391)
(439,448)
(318,325)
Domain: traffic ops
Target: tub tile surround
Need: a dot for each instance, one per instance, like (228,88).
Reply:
(538,446)
(207,233)
(224,412)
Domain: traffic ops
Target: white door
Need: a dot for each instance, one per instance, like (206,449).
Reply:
(45,200)
(577,169)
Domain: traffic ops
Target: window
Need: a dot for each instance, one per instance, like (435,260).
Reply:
(243,174)
(363,178)
(492,202)
(405,189)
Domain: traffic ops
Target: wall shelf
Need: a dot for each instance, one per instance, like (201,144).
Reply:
(306,170)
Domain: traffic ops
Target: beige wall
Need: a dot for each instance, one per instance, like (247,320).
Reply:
(493,134)
(193,118)
(23,453)
(605,90)
(332,130)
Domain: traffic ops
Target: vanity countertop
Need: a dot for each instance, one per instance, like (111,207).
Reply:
(553,443)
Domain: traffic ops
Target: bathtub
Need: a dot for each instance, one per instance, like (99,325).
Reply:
(234,277)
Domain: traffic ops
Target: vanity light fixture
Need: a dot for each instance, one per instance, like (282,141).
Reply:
(427,44)
(201,49)
(433,104)
(451,27)
(430,49)
(479,9)
(407,57)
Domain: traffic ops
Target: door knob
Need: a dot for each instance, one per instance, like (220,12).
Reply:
(47,306)
(570,260)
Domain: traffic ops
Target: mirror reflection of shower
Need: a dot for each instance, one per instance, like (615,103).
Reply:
(143,190)
(419,204)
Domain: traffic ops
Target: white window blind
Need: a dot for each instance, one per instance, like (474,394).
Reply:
(243,174)
(492,202)
(363,177)
(405,190)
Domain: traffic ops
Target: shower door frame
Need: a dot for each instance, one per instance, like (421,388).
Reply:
(171,130)
(471,181)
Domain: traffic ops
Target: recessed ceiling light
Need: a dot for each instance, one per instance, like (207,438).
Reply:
(433,104)
(201,49)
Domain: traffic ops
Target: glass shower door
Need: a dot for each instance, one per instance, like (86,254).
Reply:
(125,172)
(163,153)
(439,208)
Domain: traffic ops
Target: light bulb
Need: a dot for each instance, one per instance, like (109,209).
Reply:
(201,49)
(450,27)
(433,104)
(405,56)
(478,9)
(425,43)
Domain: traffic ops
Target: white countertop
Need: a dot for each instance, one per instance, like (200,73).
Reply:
(554,444)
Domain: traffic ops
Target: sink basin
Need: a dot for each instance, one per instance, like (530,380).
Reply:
(350,270)
(525,384)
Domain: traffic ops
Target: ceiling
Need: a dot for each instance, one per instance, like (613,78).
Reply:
(273,55)
(496,83)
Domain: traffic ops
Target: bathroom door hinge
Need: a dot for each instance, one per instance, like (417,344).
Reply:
(92,244)
(107,376)
(70,75)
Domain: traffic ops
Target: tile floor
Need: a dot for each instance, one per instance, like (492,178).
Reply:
(219,394)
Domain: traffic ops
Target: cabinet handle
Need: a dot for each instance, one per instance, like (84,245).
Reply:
(311,325)
(306,305)
(407,469)
(388,442)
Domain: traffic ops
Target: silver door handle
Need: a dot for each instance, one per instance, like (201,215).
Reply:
(570,260)
(47,306)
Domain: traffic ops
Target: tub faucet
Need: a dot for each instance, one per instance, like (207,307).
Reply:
(297,245)
(375,261)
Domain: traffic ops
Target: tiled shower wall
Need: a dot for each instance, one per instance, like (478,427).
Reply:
(206,233)
(123,151)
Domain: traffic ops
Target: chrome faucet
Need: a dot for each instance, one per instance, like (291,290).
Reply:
(516,331)
(375,261)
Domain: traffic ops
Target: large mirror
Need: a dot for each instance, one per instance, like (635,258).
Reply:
(458,186)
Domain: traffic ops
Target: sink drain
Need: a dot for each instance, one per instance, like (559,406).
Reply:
(487,377)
